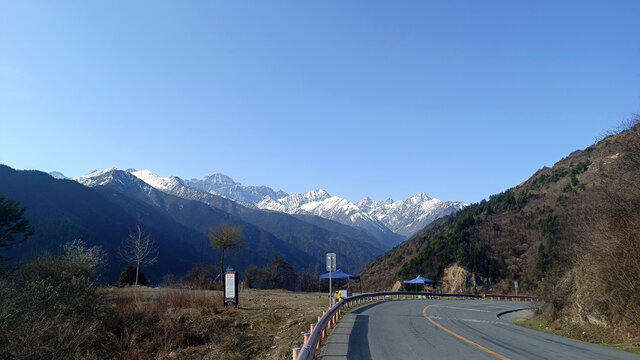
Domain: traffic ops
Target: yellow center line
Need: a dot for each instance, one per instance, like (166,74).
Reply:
(424,312)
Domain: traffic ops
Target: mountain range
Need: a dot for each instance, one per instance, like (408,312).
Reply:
(103,206)
(381,219)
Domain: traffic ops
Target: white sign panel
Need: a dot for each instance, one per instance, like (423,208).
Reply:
(331,261)
(230,286)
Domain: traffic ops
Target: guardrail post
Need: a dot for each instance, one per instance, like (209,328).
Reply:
(296,352)
(306,338)
(311,327)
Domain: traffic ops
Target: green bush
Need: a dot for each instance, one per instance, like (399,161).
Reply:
(128,277)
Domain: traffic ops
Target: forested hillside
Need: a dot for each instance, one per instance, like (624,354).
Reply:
(570,233)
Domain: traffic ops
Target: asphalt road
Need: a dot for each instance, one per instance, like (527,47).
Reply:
(448,330)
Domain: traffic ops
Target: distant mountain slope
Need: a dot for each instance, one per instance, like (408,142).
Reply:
(259,247)
(63,210)
(103,214)
(295,234)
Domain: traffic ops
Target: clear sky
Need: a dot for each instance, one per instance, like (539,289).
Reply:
(458,99)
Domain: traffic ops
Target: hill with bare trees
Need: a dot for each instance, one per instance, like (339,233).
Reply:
(570,233)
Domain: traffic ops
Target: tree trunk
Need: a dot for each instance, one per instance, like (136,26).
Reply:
(222,269)
(137,271)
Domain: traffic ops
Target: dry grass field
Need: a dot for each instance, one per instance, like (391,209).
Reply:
(164,323)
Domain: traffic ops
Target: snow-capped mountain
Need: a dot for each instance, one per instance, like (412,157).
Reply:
(58,175)
(108,176)
(389,222)
(220,184)
(115,178)
(406,217)
(174,185)
(301,237)
(171,184)
(320,203)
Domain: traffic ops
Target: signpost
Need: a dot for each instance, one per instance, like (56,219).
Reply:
(331,267)
(231,288)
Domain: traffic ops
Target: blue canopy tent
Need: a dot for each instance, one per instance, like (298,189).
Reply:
(339,274)
(420,281)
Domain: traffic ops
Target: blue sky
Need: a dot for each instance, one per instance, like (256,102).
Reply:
(460,99)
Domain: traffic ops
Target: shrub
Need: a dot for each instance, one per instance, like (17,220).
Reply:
(128,277)
(49,310)
(202,276)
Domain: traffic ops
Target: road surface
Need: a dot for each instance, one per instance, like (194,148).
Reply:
(448,330)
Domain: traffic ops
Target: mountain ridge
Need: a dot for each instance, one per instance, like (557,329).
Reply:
(390,222)
(298,234)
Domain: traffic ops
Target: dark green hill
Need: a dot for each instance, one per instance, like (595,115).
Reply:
(63,210)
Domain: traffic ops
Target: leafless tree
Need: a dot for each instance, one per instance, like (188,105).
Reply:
(226,237)
(138,248)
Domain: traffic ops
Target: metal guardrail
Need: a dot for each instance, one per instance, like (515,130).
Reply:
(330,317)
(511,297)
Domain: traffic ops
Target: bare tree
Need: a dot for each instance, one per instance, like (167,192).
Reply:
(226,237)
(138,248)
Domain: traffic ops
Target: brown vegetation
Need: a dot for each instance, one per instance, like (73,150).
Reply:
(152,323)
(158,323)
(50,309)
(604,287)
(570,233)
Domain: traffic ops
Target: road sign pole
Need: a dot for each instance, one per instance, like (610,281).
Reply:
(331,267)
(330,292)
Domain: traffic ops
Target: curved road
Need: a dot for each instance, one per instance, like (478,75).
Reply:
(450,329)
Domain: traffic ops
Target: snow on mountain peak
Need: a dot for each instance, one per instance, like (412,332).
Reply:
(166,184)
(58,175)
(404,217)
(223,185)
(419,197)
(219,179)
(96,177)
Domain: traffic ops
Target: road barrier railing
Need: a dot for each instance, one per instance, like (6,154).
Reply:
(330,317)
(511,297)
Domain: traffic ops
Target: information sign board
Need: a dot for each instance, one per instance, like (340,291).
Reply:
(231,288)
